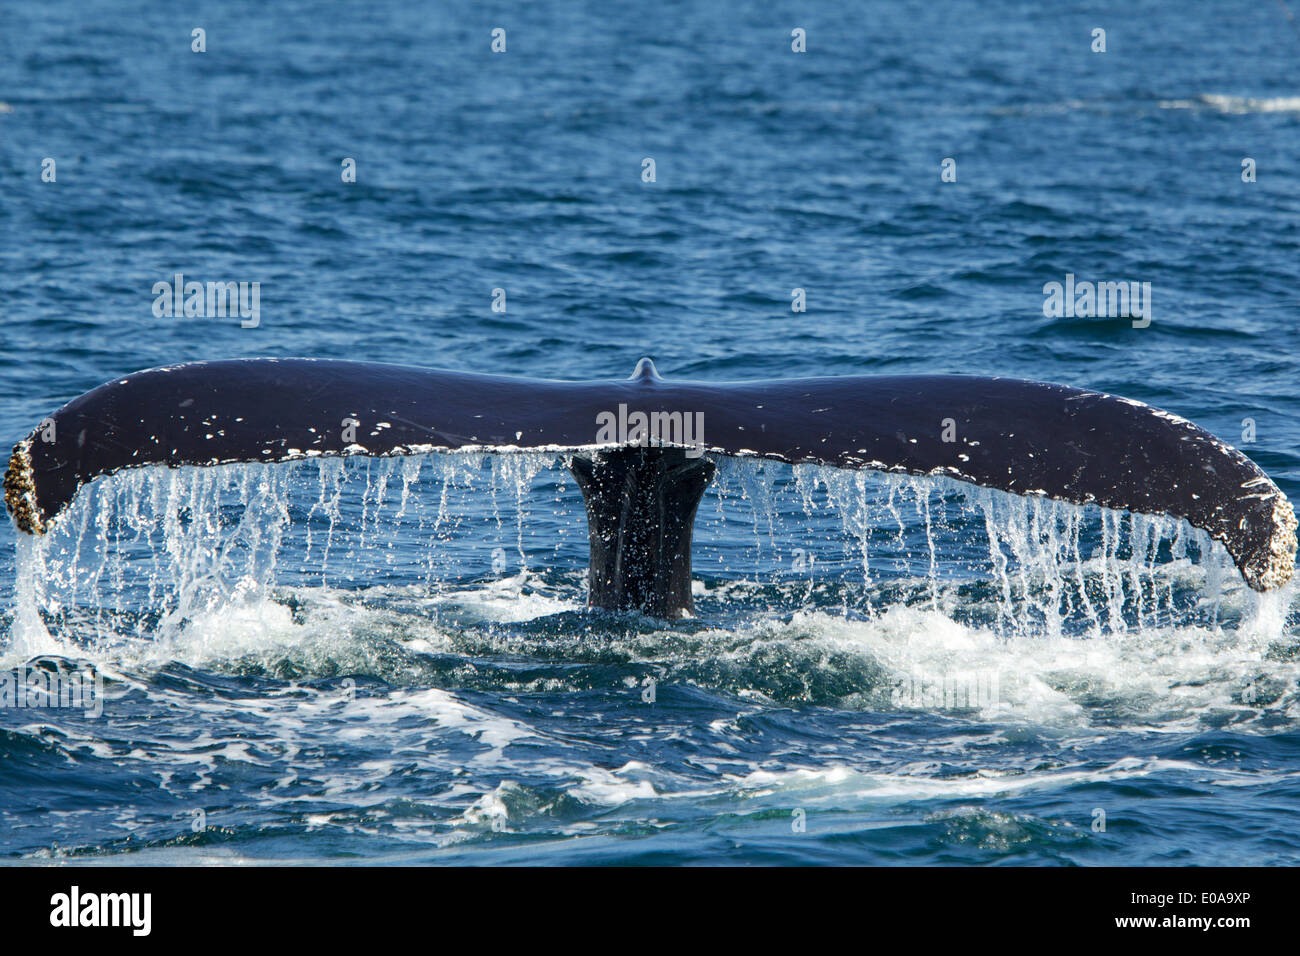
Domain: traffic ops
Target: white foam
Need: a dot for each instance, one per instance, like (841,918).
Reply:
(1225,103)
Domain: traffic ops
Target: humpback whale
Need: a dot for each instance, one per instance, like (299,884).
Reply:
(642,481)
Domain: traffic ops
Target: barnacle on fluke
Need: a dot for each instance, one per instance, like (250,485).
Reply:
(20,490)
(1273,565)
(641,487)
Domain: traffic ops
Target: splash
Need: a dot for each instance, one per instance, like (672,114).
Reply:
(143,555)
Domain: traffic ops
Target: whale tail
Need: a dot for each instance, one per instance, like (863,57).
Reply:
(639,446)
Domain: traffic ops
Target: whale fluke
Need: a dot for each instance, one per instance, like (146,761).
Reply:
(1028,438)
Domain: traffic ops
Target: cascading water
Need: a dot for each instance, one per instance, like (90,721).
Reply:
(143,553)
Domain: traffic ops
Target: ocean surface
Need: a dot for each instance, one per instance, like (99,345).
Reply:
(391,662)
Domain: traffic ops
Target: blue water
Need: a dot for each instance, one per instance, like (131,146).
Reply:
(419,681)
